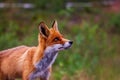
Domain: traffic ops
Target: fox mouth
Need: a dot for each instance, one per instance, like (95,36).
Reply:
(64,47)
(67,47)
(61,48)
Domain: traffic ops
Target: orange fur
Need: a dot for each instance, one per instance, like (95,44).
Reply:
(20,61)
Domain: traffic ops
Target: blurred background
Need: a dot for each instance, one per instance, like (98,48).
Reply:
(93,25)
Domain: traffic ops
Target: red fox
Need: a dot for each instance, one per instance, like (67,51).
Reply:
(30,63)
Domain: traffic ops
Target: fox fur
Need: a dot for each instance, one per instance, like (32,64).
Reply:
(34,62)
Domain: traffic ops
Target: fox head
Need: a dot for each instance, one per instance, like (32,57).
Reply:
(52,38)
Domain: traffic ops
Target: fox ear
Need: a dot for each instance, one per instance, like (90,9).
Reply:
(55,25)
(44,31)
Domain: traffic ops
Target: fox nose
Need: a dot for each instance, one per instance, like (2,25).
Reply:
(71,42)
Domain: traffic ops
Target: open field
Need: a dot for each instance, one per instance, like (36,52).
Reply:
(95,54)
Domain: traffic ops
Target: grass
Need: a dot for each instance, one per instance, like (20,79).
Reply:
(93,56)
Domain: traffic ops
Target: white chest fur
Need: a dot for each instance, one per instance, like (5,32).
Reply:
(48,59)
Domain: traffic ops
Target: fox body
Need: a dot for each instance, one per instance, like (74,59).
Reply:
(34,62)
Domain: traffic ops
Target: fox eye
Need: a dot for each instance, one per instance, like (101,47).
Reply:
(56,39)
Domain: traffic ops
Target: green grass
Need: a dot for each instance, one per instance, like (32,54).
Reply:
(93,56)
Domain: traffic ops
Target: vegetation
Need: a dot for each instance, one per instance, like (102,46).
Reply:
(96,35)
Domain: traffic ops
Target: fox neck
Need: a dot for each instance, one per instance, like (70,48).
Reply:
(40,49)
(44,64)
(47,61)
(44,57)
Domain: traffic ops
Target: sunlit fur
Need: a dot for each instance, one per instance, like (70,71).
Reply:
(33,62)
